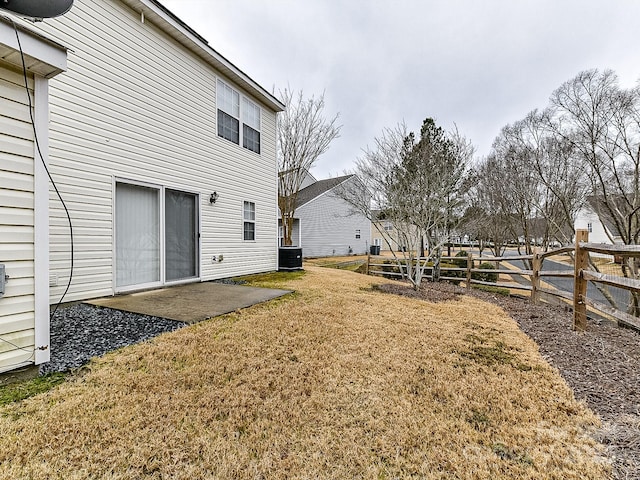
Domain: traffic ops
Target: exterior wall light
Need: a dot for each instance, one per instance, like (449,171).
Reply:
(213,198)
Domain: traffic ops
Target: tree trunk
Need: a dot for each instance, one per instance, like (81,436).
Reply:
(287,222)
(436,264)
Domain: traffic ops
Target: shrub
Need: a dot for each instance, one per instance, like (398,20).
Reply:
(488,276)
(391,267)
(452,273)
(461,259)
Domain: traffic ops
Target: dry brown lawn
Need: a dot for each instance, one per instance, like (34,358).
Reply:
(338,381)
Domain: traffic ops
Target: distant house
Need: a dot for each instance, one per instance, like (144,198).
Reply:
(600,228)
(325,225)
(162,149)
(384,234)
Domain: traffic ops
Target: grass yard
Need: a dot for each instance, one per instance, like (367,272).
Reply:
(338,381)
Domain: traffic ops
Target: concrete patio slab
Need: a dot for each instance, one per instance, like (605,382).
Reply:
(192,302)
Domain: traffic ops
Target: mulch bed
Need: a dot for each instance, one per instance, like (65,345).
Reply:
(602,365)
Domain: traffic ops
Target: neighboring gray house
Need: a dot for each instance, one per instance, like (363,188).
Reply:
(163,150)
(325,225)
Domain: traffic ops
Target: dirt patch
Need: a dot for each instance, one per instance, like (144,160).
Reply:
(600,365)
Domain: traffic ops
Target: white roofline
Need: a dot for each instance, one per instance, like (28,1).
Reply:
(164,19)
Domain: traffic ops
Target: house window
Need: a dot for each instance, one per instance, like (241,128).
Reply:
(231,112)
(228,113)
(249,221)
(590,227)
(357,233)
(388,227)
(250,125)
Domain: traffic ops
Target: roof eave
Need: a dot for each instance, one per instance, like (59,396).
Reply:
(169,23)
(42,55)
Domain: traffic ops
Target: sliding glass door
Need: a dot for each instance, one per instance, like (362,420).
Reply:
(154,227)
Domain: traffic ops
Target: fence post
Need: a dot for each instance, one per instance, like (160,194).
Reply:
(368,262)
(579,283)
(469,267)
(536,265)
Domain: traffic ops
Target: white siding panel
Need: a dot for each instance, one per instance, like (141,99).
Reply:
(13,305)
(328,228)
(16,146)
(15,358)
(14,164)
(22,339)
(134,104)
(16,181)
(16,216)
(17,287)
(17,306)
(15,77)
(16,252)
(15,323)
(12,88)
(20,268)
(13,110)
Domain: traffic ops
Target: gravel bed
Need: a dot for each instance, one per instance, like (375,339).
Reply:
(81,331)
(601,365)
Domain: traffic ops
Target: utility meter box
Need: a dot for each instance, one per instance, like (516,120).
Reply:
(3,280)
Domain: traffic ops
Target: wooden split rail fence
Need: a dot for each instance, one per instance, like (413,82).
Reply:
(531,279)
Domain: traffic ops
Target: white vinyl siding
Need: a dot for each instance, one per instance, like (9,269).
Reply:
(136,105)
(17,306)
(327,227)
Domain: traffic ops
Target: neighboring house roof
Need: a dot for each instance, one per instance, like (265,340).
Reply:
(158,14)
(319,188)
(597,205)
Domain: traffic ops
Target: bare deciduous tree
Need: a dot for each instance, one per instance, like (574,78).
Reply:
(303,135)
(602,122)
(418,186)
(486,218)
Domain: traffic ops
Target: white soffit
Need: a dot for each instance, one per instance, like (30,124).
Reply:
(42,56)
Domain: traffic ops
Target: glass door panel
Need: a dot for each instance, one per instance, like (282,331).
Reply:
(181,235)
(137,235)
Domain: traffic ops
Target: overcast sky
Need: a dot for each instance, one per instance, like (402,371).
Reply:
(479,64)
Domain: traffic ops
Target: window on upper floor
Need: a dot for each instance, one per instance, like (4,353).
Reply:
(228,113)
(249,221)
(590,227)
(232,112)
(250,125)
(357,233)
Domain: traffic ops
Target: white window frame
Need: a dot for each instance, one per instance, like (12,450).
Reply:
(248,220)
(246,112)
